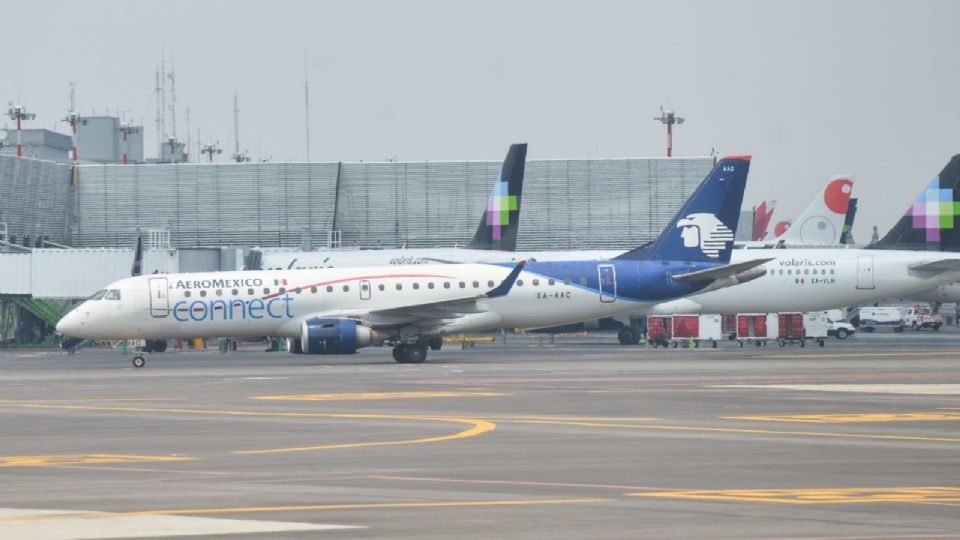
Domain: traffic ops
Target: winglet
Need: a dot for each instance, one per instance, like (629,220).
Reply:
(507,283)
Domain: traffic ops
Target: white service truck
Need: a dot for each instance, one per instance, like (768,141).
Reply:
(918,317)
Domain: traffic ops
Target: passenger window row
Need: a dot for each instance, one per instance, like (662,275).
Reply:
(346,288)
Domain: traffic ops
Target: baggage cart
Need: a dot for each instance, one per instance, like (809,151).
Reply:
(757,328)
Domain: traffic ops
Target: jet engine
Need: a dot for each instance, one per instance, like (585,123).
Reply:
(334,336)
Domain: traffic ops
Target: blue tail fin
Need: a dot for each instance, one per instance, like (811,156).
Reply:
(703,229)
(501,214)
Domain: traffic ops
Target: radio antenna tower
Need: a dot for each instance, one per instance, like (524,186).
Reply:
(669,118)
(18,113)
(72,119)
(306,98)
(237,156)
(173,101)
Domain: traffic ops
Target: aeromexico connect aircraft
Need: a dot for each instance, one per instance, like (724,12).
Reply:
(337,310)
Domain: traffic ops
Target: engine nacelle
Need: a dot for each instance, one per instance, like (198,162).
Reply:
(334,336)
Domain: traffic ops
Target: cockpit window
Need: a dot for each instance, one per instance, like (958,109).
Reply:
(112,294)
(98,295)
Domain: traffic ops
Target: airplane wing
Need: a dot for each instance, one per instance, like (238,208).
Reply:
(426,313)
(942,265)
(738,270)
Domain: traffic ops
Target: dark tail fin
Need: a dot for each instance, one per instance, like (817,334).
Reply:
(846,237)
(703,230)
(137,268)
(498,225)
(930,222)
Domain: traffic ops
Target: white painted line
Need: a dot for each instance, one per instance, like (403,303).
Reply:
(41,525)
(925,389)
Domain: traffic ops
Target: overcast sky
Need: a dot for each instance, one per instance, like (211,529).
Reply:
(811,89)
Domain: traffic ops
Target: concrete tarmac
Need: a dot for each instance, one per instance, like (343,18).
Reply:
(581,438)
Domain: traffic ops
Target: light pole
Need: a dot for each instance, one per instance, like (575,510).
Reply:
(669,118)
(18,113)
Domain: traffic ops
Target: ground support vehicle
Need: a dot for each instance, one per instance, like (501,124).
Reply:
(757,328)
(694,330)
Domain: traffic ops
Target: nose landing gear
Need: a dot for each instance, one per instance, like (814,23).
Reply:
(139,361)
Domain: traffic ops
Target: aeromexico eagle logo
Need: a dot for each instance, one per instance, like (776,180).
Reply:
(706,232)
(499,205)
(934,211)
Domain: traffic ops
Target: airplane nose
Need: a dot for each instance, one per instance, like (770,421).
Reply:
(68,324)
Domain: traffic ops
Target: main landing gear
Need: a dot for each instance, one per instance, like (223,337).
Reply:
(629,335)
(139,360)
(410,353)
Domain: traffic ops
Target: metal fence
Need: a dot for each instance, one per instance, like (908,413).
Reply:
(579,203)
(36,199)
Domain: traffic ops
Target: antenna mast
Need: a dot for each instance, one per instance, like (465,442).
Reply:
(306,98)
(669,118)
(173,101)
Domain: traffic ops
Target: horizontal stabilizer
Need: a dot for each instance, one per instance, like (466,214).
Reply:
(711,274)
(942,265)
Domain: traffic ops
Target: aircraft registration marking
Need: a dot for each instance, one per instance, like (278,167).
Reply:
(817,495)
(83,459)
(930,416)
(356,396)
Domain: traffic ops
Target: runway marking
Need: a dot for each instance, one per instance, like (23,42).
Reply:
(855,417)
(935,389)
(350,396)
(478,426)
(667,427)
(78,459)
(305,507)
(864,354)
(618,487)
(818,496)
(72,525)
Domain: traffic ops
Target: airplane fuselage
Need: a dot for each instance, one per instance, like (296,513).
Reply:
(276,302)
(818,279)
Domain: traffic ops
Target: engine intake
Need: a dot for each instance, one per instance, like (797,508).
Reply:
(334,336)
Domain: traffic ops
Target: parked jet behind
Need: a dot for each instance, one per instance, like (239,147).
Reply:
(821,224)
(494,241)
(336,311)
(918,254)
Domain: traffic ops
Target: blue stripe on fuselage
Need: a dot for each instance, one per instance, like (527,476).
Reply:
(637,281)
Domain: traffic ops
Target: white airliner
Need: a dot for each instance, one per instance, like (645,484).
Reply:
(337,310)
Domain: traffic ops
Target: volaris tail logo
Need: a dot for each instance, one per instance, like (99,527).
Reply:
(499,205)
(934,210)
(705,231)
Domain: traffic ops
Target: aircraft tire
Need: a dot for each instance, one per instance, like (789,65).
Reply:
(139,361)
(629,335)
(416,354)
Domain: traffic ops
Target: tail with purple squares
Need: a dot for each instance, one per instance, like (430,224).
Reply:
(501,214)
(930,223)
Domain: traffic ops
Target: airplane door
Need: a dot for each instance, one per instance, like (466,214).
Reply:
(608,282)
(865,272)
(159,297)
(364,289)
